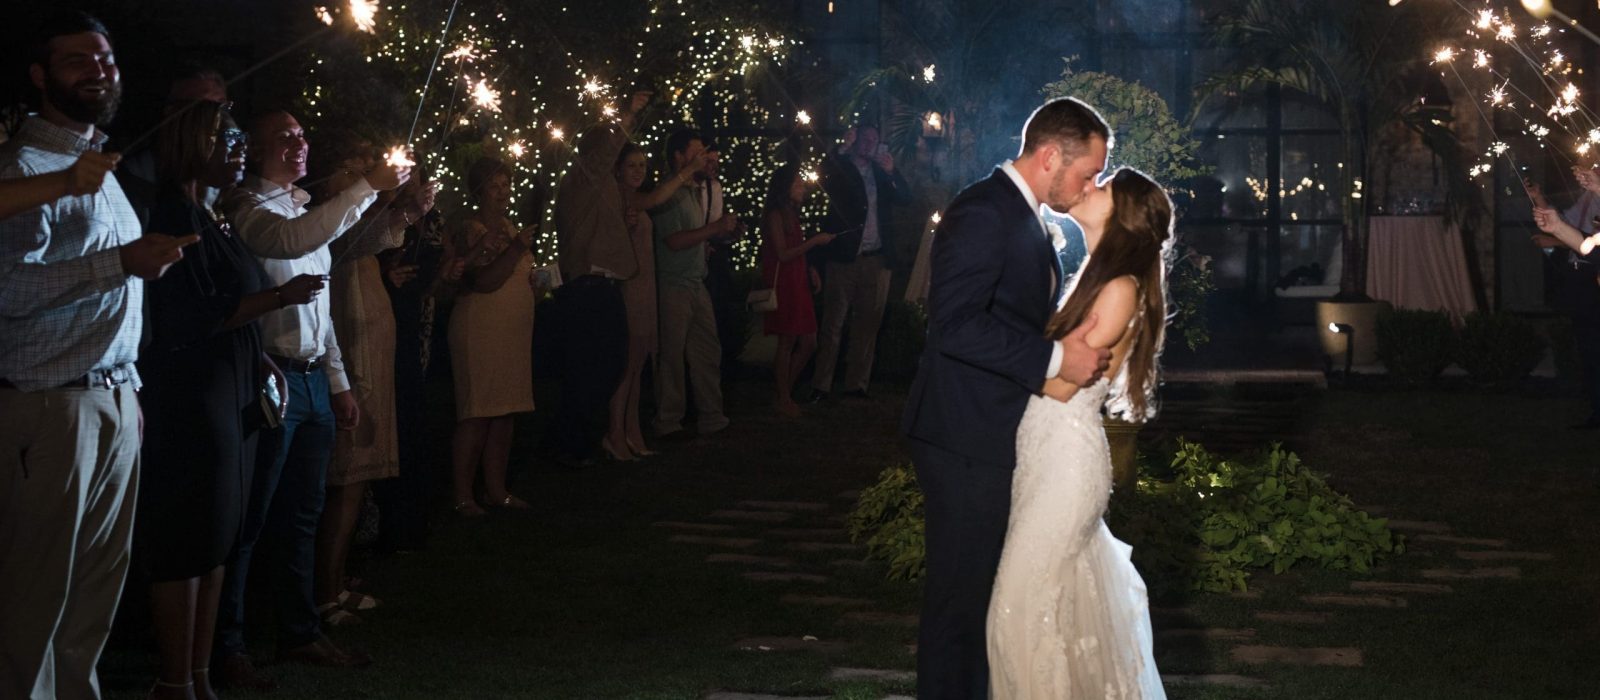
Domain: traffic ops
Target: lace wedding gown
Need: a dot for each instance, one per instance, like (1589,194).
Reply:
(1069,617)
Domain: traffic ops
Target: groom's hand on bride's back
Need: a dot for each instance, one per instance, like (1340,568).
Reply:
(1081,364)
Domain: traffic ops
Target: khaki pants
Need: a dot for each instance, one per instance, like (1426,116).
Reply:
(858,290)
(69,466)
(688,341)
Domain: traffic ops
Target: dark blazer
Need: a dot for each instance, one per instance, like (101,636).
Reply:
(990,298)
(847,209)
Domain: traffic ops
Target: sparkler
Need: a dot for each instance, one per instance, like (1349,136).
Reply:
(927,73)
(485,96)
(324,15)
(803,117)
(1444,55)
(811,175)
(557,134)
(517,149)
(365,14)
(937,218)
(399,157)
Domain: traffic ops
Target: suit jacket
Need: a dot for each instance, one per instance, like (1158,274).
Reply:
(989,300)
(847,209)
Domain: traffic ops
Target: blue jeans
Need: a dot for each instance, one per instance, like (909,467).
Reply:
(283,510)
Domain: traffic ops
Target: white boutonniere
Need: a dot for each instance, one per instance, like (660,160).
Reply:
(1058,239)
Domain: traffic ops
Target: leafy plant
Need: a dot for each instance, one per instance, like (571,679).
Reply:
(1207,526)
(1415,345)
(1188,286)
(1147,137)
(889,517)
(1499,348)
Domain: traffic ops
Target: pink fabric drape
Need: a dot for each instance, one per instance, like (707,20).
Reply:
(1417,262)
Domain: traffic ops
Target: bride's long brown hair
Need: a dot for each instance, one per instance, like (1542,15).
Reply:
(1134,243)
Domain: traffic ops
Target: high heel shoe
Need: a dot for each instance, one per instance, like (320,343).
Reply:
(639,450)
(613,453)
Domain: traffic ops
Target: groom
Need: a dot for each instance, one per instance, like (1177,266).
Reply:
(994,285)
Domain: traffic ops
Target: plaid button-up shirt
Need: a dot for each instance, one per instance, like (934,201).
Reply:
(66,306)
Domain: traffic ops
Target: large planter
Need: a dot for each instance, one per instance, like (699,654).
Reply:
(1123,437)
(1362,318)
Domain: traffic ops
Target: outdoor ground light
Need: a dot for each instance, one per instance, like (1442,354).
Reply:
(1349,334)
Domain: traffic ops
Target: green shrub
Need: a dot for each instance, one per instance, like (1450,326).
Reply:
(1415,346)
(889,517)
(1207,527)
(1498,348)
(900,343)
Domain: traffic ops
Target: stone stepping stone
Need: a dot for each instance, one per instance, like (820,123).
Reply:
(1218,633)
(880,618)
(1294,618)
(729,558)
(784,577)
(822,600)
(1399,587)
(725,695)
(1491,555)
(1223,680)
(1459,541)
(1355,601)
(783,505)
(788,644)
(1425,526)
(824,546)
(695,527)
(801,533)
(872,674)
(731,542)
(1297,656)
(1506,572)
(753,516)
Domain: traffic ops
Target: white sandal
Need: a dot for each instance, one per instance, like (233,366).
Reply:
(335,616)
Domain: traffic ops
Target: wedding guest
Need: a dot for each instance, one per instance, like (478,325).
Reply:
(418,283)
(784,270)
(204,370)
(364,325)
(1573,276)
(596,256)
(625,439)
(71,291)
(193,83)
(491,339)
(288,489)
(688,324)
(862,185)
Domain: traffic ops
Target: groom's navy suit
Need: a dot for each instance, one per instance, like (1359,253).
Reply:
(993,287)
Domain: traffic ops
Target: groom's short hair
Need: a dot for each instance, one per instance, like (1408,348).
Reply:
(1066,122)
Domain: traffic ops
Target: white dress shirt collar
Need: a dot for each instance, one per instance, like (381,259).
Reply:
(1010,170)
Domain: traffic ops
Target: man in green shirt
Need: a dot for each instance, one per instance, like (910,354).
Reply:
(688,324)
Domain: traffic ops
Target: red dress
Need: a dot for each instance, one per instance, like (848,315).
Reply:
(795,315)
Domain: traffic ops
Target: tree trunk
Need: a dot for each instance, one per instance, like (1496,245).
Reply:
(1353,253)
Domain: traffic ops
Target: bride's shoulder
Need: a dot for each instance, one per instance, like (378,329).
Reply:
(1119,296)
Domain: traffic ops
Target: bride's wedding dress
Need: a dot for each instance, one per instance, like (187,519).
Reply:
(1069,617)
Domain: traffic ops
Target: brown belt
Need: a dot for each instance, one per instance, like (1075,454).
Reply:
(297,366)
(94,379)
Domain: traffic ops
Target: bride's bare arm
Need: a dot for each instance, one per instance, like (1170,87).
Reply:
(1115,305)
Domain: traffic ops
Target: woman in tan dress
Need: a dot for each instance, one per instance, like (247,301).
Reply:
(363,321)
(491,338)
(625,439)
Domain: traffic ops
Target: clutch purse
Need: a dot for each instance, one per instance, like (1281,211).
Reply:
(274,394)
(762,300)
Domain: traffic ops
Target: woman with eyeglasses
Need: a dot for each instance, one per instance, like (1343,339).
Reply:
(204,374)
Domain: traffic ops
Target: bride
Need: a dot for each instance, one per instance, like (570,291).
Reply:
(1069,616)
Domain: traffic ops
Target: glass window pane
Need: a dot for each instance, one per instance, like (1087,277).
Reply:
(1309,256)
(1302,112)
(1241,168)
(1228,246)
(1309,187)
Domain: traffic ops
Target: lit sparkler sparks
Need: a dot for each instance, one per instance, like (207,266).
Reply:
(1480,58)
(324,15)
(517,149)
(1444,55)
(1497,96)
(399,157)
(937,218)
(927,73)
(803,117)
(365,14)
(1507,32)
(463,52)
(485,96)
(594,88)
(811,175)
(557,134)
(1486,19)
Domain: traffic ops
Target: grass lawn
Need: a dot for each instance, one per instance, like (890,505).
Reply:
(584,598)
